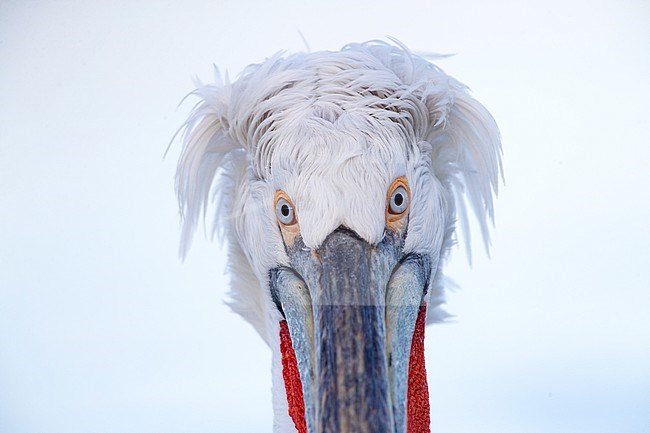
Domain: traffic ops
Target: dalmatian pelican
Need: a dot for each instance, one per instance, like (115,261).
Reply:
(336,179)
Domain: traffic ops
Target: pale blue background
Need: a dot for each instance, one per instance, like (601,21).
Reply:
(103,330)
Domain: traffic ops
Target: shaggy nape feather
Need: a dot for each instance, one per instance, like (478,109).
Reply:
(375,96)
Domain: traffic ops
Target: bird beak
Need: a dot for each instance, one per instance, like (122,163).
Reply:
(351,309)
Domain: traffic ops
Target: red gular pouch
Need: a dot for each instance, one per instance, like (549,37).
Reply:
(418,392)
(418,412)
(292,382)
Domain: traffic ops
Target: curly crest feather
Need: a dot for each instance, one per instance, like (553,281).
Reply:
(379,94)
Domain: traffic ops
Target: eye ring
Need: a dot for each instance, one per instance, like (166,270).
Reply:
(398,203)
(284,211)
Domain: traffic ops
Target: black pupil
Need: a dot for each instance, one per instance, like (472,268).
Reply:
(285,210)
(399,199)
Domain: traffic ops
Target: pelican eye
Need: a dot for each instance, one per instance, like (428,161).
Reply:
(284,211)
(398,198)
(399,201)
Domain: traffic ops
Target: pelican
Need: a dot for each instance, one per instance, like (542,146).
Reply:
(337,179)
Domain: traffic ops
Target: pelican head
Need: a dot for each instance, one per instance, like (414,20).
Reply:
(339,177)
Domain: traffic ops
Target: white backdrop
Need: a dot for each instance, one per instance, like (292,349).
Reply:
(103,329)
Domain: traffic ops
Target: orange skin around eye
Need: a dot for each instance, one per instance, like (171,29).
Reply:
(291,230)
(396,222)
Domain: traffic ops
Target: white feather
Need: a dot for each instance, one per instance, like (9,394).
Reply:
(333,129)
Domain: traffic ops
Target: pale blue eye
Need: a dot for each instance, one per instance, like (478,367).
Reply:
(399,201)
(284,212)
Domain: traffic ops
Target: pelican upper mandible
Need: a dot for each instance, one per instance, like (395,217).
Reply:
(339,178)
